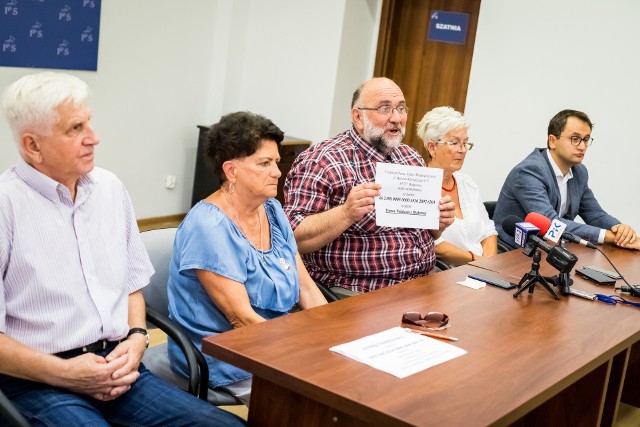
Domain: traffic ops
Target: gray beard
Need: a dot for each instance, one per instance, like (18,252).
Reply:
(381,145)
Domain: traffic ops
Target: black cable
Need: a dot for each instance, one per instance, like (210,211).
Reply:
(633,290)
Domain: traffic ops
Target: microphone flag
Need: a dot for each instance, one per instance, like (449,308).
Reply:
(555,231)
(522,232)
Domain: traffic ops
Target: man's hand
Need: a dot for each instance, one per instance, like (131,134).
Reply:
(133,348)
(447,212)
(93,375)
(360,201)
(624,236)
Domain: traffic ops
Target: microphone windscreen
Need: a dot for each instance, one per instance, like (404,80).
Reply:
(509,224)
(540,221)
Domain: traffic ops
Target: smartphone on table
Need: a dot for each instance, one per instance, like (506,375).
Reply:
(595,276)
(494,281)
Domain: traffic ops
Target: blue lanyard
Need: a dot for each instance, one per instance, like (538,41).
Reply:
(614,299)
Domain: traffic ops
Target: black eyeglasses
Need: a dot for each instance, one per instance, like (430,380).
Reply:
(386,110)
(433,320)
(576,140)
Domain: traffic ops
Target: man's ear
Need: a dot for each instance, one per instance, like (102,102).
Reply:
(30,148)
(551,142)
(357,119)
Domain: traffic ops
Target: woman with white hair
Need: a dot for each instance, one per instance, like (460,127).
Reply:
(444,132)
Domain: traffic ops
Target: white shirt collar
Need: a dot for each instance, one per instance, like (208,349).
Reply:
(557,171)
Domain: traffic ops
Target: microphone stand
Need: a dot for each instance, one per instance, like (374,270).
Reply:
(533,277)
(563,279)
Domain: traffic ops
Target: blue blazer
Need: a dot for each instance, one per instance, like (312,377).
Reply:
(531,186)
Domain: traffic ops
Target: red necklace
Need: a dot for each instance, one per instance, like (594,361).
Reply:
(455,184)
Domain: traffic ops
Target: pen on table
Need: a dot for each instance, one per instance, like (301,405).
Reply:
(432,334)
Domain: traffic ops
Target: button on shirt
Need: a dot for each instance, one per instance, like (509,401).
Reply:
(364,257)
(563,181)
(67,268)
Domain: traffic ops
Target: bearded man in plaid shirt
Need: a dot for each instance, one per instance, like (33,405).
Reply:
(329,199)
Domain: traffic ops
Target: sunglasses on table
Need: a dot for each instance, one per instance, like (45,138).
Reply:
(433,320)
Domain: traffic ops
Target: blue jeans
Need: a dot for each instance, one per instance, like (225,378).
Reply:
(149,402)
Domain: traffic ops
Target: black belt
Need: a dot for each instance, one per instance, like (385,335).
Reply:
(95,347)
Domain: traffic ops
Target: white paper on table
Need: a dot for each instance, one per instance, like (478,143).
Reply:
(472,283)
(409,196)
(399,352)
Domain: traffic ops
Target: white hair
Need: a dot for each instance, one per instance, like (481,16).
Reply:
(437,122)
(30,103)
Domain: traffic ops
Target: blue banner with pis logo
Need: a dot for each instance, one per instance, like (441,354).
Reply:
(448,27)
(60,34)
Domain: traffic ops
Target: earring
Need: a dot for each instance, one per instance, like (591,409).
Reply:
(231,187)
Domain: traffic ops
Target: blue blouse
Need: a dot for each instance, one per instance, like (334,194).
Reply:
(208,240)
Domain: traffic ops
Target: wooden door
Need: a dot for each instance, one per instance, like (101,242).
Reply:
(429,73)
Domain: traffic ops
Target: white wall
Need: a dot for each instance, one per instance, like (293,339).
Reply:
(166,67)
(290,60)
(147,97)
(533,59)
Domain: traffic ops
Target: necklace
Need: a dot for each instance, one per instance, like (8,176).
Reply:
(235,215)
(453,187)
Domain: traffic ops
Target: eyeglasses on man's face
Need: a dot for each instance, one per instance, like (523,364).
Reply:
(454,145)
(576,140)
(387,110)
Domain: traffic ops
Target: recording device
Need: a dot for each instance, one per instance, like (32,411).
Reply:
(583,294)
(595,276)
(504,284)
(557,256)
(609,273)
(630,289)
(556,230)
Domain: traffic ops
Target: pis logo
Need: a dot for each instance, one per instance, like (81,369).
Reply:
(9,45)
(63,49)
(89,3)
(87,35)
(11,8)
(65,13)
(36,30)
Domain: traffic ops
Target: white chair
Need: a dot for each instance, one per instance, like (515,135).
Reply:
(159,245)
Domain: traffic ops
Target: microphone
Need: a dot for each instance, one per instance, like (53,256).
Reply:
(540,221)
(577,239)
(556,229)
(558,257)
(524,233)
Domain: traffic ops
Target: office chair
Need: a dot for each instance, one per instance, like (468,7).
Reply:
(490,206)
(327,292)
(442,265)
(159,245)
(10,413)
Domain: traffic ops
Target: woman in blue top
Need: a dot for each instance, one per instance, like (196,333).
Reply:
(235,260)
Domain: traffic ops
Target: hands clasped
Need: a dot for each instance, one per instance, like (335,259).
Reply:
(625,236)
(103,378)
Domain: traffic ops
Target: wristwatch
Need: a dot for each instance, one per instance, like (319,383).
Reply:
(140,331)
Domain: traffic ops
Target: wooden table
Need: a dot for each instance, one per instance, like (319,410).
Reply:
(531,360)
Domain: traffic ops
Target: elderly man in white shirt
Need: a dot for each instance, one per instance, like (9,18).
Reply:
(72,266)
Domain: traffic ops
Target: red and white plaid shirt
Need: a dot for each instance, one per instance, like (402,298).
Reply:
(365,257)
